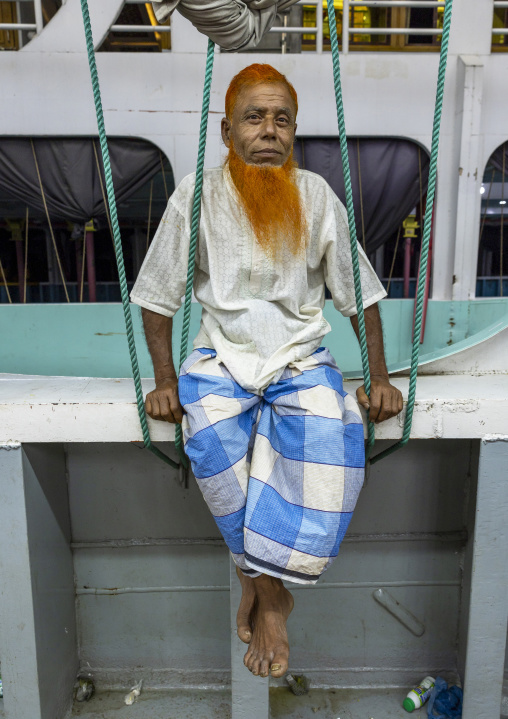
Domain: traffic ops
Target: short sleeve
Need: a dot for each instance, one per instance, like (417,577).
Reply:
(338,268)
(160,285)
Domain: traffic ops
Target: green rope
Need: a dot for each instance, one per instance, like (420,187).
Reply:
(427,226)
(117,238)
(196,214)
(426,232)
(332,22)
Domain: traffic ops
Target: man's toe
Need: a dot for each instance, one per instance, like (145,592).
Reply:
(244,633)
(264,668)
(249,659)
(279,665)
(254,667)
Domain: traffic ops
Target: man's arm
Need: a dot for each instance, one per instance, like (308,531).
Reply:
(163,402)
(385,400)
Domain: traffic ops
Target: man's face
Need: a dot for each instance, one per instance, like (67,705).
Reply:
(263,125)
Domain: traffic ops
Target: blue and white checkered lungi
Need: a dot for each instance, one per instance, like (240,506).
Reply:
(281,472)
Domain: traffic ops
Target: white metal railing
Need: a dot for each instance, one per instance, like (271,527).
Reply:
(23,26)
(317,31)
(348,30)
(140,28)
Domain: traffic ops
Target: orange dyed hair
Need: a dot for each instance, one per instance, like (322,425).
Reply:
(254,75)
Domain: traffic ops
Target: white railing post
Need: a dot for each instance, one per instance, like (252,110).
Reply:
(319,26)
(345,27)
(20,34)
(38,16)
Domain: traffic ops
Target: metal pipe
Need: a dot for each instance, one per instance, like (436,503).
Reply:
(149,590)
(298,30)
(345,26)
(128,543)
(427,283)
(369,585)
(39,21)
(319,26)
(140,28)
(503,31)
(454,536)
(17,26)
(396,3)
(90,267)
(284,38)
(20,34)
(396,31)
(78,248)
(21,268)
(407,265)
(111,592)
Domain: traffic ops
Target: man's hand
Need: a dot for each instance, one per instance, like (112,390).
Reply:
(385,399)
(163,402)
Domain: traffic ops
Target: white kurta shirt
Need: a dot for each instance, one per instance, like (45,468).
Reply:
(258,314)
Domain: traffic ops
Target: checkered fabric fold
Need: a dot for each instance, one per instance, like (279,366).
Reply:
(281,473)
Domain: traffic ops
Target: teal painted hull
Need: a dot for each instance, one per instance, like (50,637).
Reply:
(89,340)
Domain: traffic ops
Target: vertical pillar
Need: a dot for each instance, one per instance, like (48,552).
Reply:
(18,652)
(249,693)
(469,181)
(53,277)
(38,650)
(90,267)
(20,258)
(471,35)
(407,265)
(488,601)
(138,240)
(78,247)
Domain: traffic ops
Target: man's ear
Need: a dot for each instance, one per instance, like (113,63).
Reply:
(225,131)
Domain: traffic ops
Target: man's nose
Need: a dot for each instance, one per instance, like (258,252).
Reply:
(269,129)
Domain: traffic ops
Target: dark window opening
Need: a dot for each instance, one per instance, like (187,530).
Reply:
(78,238)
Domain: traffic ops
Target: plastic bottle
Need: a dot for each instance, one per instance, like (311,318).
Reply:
(419,695)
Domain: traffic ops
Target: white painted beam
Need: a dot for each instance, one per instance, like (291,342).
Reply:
(76,409)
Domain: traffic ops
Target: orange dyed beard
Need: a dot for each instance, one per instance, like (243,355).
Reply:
(271,200)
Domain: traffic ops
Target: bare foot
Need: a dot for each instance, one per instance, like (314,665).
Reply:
(269,647)
(246,608)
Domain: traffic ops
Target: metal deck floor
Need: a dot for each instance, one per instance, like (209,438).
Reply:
(193,704)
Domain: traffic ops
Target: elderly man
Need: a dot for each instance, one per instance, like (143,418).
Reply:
(275,442)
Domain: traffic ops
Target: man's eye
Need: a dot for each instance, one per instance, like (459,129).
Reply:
(283,120)
(253,117)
